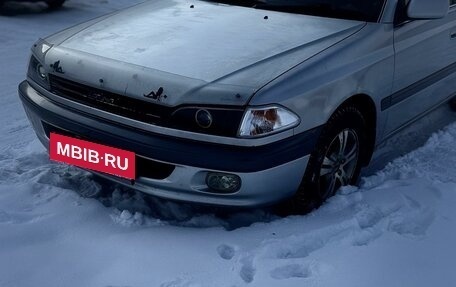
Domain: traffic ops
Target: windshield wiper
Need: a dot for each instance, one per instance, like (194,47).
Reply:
(245,3)
(324,10)
(297,7)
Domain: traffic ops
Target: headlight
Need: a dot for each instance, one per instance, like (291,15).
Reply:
(37,70)
(220,121)
(261,121)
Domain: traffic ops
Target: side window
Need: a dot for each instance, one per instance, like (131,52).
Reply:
(452,2)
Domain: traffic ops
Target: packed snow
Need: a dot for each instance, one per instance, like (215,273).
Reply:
(60,226)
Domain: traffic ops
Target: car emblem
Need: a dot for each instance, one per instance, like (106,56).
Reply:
(101,98)
(203,118)
(158,95)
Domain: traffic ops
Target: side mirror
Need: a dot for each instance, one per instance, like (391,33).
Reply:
(426,9)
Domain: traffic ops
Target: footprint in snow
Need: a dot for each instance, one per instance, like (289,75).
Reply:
(180,283)
(290,271)
(225,251)
(368,217)
(247,271)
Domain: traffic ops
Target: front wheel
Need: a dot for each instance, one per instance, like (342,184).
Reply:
(339,163)
(336,160)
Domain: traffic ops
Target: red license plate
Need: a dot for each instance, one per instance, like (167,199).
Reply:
(92,156)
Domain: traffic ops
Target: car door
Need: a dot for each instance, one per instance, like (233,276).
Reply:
(425,66)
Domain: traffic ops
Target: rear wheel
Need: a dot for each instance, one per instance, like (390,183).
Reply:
(54,4)
(336,160)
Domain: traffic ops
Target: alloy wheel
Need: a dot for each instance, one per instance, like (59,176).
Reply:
(340,162)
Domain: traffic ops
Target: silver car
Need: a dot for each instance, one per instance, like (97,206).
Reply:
(245,103)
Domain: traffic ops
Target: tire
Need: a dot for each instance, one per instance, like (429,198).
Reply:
(55,4)
(335,162)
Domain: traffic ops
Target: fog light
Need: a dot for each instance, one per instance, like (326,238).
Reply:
(41,71)
(222,182)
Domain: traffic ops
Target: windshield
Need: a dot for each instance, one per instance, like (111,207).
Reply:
(362,10)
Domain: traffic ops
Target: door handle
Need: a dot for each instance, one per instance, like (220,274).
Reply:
(453,36)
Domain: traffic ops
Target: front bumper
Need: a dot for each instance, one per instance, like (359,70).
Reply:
(269,173)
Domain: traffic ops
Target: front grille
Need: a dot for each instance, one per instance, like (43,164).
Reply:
(110,102)
(225,119)
(145,167)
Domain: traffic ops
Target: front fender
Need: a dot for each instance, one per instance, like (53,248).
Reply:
(361,64)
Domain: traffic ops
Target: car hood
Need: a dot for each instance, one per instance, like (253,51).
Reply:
(194,46)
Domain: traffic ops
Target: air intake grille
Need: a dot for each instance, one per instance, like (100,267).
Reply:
(145,167)
(225,119)
(110,102)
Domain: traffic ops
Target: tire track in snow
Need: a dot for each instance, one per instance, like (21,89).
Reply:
(400,199)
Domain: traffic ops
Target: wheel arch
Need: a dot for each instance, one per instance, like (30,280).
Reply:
(366,106)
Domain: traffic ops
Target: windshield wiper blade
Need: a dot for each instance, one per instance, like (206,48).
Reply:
(324,10)
(316,9)
(245,3)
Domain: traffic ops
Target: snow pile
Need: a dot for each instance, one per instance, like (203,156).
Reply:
(60,226)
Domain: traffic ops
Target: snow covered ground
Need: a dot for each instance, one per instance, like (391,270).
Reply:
(59,227)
